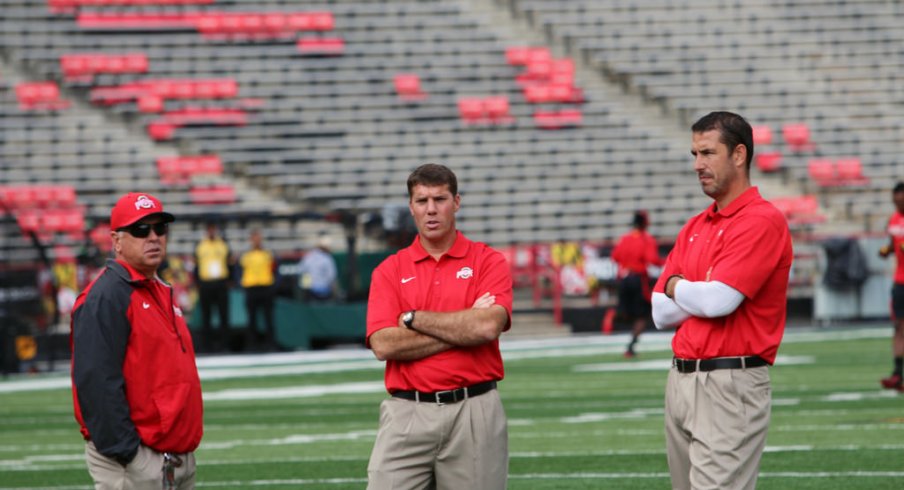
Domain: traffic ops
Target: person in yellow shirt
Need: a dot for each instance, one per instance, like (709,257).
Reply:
(259,280)
(212,264)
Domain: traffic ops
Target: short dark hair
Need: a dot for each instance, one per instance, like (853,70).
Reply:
(899,187)
(641,220)
(733,130)
(433,174)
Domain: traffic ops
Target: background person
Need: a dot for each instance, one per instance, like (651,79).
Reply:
(435,313)
(724,286)
(135,386)
(318,272)
(258,280)
(212,268)
(896,246)
(634,253)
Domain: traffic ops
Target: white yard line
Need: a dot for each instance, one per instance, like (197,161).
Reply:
(306,362)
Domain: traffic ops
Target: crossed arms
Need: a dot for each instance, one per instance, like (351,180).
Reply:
(433,332)
(706,299)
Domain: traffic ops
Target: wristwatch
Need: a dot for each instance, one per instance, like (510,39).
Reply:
(408,319)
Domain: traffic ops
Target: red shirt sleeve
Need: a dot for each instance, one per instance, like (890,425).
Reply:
(671,267)
(496,278)
(383,305)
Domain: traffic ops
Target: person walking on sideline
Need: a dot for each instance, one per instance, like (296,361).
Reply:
(724,286)
(896,246)
(135,386)
(435,313)
(634,253)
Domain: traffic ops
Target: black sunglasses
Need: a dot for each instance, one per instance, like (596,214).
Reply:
(142,230)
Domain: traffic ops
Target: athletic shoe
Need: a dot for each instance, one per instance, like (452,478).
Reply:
(893,382)
(629,354)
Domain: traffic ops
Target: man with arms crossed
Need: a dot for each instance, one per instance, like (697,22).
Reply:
(896,246)
(435,313)
(724,287)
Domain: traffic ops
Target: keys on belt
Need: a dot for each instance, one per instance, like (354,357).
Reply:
(171,461)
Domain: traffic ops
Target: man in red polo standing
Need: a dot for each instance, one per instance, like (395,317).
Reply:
(724,287)
(435,313)
(895,247)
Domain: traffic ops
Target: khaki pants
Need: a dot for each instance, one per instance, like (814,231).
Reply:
(715,427)
(145,472)
(447,447)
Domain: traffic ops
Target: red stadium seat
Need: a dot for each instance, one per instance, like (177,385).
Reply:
(180,169)
(408,86)
(497,109)
(39,95)
(29,220)
(69,6)
(332,46)
(100,236)
(762,135)
(799,210)
(471,110)
(151,103)
(768,161)
(797,136)
(558,119)
(517,55)
(218,194)
(850,171)
(822,172)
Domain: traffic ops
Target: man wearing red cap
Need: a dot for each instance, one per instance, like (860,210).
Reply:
(135,384)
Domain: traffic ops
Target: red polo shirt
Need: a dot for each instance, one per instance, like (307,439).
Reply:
(747,246)
(896,230)
(635,251)
(412,280)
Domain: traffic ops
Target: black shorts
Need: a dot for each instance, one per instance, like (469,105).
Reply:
(897,301)
(631,301)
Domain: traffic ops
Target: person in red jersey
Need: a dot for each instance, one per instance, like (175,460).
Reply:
(435,313)
(634,253)
(724,287)
(135,385)
(896,246)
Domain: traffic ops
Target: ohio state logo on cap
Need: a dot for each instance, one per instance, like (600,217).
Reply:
(144,203)
(135,206)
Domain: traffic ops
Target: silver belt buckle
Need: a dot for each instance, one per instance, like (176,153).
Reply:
(439,393)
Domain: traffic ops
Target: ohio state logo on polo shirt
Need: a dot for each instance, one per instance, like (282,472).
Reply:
(143,202)
(464,273)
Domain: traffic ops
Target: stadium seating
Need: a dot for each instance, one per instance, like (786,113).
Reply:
(326,107)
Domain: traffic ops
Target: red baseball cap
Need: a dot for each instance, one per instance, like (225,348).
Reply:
(135,206)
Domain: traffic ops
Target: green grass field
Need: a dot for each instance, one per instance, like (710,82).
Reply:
(580,417)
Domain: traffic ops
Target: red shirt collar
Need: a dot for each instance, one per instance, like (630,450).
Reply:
(459,248)
(746,197)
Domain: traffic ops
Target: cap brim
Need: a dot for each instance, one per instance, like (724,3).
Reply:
(167,218)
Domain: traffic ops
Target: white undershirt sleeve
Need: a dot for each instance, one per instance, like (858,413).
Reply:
(707,299)
(667,313)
